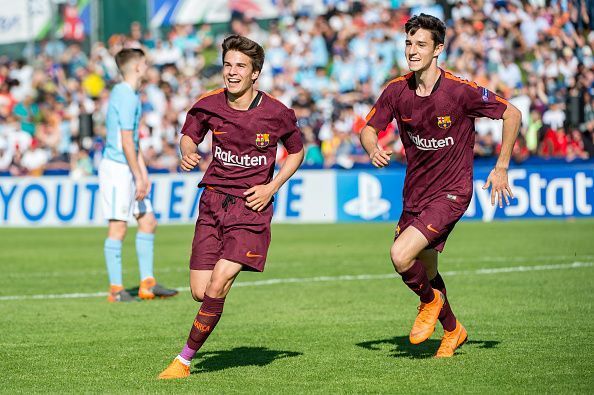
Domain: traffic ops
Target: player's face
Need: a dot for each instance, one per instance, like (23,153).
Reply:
(421,50)
(238,72)
(142,67)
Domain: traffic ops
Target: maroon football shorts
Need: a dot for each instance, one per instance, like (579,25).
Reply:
(227,229)
(435,222)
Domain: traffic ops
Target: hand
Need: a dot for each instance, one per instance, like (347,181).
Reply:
(380,158)
(499,186)
(259,196)
(189,161)
(140,188)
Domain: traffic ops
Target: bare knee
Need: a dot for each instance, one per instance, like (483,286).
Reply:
(400,259)
(147,224)
(217,288)
(117,230)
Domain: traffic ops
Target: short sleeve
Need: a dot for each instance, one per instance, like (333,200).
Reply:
(291,136)
(195,125)
(481,102)
(127,109)
(382,112)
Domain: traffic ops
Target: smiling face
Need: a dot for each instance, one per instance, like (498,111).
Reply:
(421,50)
(238,73)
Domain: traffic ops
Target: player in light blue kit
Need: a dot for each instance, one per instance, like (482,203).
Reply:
(124,183)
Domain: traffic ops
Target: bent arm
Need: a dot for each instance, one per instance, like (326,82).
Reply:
(369,140)
(187,145)
(288,168)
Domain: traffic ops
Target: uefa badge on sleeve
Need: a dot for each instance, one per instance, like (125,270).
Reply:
(444,122)
(262,140)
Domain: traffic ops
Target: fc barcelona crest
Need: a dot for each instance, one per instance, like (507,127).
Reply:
(262,140)
(444,122)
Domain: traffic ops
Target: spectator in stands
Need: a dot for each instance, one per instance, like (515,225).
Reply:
(537,55)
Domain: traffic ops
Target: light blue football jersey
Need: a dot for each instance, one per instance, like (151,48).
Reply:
(123,113)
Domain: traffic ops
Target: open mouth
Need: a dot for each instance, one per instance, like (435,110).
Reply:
(233,81)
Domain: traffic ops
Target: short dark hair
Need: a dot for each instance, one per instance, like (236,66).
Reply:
(123,57)
(247,47)
(427,22)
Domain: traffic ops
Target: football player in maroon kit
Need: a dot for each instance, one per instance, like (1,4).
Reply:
(435,112)
(233,227)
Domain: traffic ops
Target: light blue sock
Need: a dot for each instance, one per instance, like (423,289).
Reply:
(144,250)
(113,260)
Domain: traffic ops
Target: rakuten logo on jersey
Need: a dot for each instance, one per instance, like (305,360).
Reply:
(230,159)
(430,144)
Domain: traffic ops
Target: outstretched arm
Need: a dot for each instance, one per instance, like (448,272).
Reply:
(379,157)
(258,197)
(498,177)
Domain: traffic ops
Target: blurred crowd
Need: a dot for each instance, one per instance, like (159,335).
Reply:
(329,68)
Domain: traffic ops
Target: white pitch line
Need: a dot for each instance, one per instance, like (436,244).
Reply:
(361,277)
(184,268)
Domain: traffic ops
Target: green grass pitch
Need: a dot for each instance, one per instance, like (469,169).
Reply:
(524,291)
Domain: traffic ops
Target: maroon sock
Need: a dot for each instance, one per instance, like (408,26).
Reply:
(205,322)
(416,279)
(446,316)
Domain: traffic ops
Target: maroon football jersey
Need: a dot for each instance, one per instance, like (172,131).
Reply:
(437,132)
(243,142)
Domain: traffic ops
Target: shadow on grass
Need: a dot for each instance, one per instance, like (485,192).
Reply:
(400,346)
(239,356)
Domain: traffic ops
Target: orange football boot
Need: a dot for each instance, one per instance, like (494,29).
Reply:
(149,289)
(426,319)
(451,341)
(175,370)
(144,290)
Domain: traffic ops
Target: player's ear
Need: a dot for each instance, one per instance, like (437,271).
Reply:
(255,75)
(437,50)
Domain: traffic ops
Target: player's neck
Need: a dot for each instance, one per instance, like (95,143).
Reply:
(133,81)
(242,101)
(426,80)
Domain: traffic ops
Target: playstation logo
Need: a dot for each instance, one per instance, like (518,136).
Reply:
(369,203)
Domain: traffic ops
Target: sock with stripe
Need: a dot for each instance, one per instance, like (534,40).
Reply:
(207,318)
